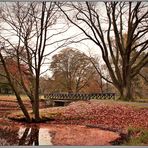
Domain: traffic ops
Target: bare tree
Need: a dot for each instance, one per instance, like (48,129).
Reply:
(111,24)
(101,70)
(72,69)
(27,29)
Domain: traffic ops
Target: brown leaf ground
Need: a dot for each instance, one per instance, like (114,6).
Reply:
(103,113)
(94,113)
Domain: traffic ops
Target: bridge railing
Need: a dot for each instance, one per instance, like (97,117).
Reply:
(69,97)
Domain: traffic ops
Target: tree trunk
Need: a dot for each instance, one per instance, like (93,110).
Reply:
(126,92)
(20,102)
(23,108)
(36,102)
(36,108)
(33,106)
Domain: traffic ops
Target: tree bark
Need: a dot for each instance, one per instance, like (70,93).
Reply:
(126,92)
(23,108)
(36,102)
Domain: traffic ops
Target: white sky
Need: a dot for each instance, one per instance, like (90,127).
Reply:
(86,46)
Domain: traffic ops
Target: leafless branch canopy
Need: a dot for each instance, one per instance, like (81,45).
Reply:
(120,30)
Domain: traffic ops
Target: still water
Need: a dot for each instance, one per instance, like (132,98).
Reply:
(34,136)
(55,135)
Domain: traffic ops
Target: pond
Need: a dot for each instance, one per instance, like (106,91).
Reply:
(48,134)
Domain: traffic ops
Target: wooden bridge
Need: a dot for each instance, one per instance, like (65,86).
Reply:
(62,99)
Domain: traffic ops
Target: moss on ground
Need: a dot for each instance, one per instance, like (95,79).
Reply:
(138,137)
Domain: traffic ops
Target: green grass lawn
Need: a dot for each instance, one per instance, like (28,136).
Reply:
(138,137)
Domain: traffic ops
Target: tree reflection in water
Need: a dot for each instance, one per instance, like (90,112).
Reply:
(34,136)
(55,135)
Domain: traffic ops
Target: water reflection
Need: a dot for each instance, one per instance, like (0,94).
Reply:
(34,136)
(55,135)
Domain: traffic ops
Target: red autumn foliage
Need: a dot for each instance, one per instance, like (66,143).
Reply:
(13,69)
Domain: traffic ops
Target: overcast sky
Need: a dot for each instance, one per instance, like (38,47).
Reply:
(86,46)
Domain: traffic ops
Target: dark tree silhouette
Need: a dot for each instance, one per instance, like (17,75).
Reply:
(107,29)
